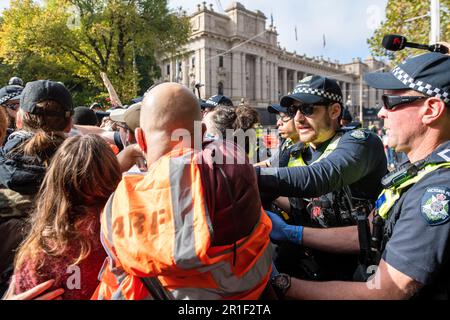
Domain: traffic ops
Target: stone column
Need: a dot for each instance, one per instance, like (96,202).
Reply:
(202,70)
(198,69)
(275,79)
(243,74)
(264,80)
(186,72)
(295,79)
(214,63)
(284,90)
(231,75)
(257,78)
(344,92)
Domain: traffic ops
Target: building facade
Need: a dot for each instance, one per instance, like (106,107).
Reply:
(235,54)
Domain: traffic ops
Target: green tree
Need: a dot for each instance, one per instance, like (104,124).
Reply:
(417,30)
(83,38)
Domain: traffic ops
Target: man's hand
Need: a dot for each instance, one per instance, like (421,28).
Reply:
(130,156)
(445,44)
(34,293)
(282,231)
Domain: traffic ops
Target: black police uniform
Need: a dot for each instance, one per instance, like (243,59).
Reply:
(417,231)
(356,166)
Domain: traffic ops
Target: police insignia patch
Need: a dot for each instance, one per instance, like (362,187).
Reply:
(359,134)
(435,205)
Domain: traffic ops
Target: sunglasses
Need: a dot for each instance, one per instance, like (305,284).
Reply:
(285,118)
(305,109)
(392,102)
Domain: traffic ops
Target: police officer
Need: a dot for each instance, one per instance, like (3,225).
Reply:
(15,81)
(288,137)
(414,208)
(335,172)
(10,100)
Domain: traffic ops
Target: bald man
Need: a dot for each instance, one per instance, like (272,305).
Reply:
(167,111)
(189,228)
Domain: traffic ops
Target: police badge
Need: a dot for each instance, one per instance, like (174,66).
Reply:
(435,207)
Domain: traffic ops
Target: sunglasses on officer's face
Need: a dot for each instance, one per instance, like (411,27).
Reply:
(392,102)
(305,109)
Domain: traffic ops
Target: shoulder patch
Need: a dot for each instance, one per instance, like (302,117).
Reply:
(435,205)
(359,134)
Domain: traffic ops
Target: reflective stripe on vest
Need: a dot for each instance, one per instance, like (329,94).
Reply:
(299,162)
(159,225)
(389,197)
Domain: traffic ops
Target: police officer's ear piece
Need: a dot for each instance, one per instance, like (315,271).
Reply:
(140,138)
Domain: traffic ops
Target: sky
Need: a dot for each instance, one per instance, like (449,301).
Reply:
(346,24)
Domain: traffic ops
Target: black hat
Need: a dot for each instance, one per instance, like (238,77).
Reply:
(313,90)
(84,116)
(11,92)
(100,115)
(428,73)
(276,108)
(217,100)
(346,115)
(43,90)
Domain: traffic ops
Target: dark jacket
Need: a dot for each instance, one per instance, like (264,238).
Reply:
(23,174)
(20,180)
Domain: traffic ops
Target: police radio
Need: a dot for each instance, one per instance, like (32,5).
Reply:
(403,174)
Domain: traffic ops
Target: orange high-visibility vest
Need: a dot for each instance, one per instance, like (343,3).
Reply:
(158,224)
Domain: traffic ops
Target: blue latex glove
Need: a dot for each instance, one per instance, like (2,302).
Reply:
(281,231)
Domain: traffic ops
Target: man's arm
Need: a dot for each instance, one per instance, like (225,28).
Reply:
(351,161)
(108,136)
(130,156)
(387,284)
(334,240)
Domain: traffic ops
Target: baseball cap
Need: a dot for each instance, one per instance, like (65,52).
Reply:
(313,90)
(217,100)
(84,116)
(130,116)
(10,92)
(43,90)
(427,73)
(276,108)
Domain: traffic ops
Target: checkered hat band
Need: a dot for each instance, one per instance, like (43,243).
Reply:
(7,97)
(420,86)
(318,92)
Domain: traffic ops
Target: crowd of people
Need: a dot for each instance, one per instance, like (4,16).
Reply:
(174,197)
